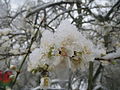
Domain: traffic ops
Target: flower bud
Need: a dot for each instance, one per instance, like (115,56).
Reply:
(12,67)
(8,88)
(12,76)
(45,82)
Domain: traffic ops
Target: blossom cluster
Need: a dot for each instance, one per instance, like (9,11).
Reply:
(66,46)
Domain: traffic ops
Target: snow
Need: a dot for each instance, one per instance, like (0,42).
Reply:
(112,55)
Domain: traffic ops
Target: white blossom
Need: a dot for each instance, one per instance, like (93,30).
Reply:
(13,67)
(67,44)
(45,83)
(72,40)
(34,59)
(47,40)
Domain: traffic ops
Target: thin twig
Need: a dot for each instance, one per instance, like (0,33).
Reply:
(24,59)
(38,8)
(90,78)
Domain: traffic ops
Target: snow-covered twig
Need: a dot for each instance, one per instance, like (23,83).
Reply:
(110,56)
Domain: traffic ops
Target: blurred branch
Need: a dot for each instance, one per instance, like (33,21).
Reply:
(115,7)
(38,8)
(11,54)
(19,70)
(25,58)
(17,14)
(90,77)
(67,11)
(98,71)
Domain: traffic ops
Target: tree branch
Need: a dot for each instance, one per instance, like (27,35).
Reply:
(38,8)
(116,6)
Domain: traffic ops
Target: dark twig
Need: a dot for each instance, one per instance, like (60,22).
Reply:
(116,6)
(19,70)
(24,59)
(90,77)
(38,8)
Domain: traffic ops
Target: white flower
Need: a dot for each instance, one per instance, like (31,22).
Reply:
(12,67)
(66,44)
(68,37)
(49,49)
(47,40)
(45,83)
(34,59)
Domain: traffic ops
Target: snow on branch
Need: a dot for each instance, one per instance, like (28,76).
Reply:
(110,56)
(114,55)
